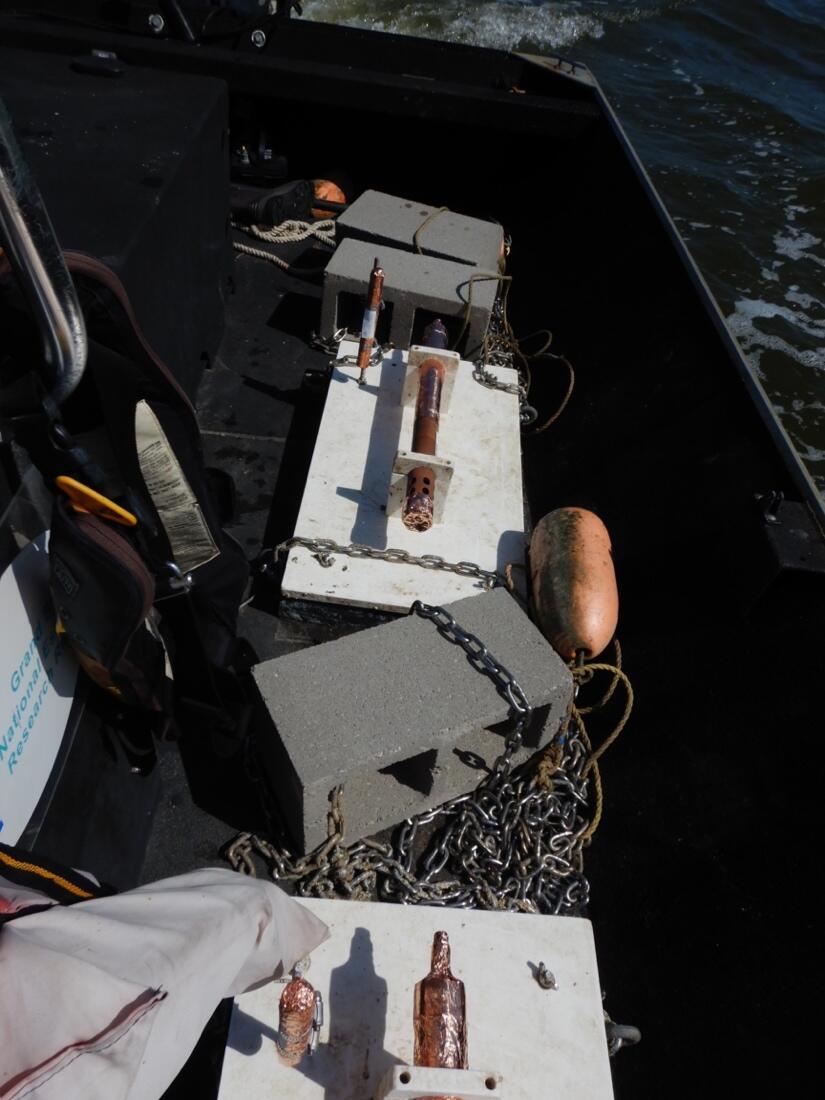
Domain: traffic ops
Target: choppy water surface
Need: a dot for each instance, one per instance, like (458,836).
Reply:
(724,101)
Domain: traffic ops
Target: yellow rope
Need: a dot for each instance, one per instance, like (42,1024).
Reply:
(511,585)
(594,755)
(614,683)
(549,763)
(424,224)
(36,869)
(565,400)
(479,276)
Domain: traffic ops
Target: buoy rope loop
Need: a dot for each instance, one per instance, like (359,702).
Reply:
(584,674)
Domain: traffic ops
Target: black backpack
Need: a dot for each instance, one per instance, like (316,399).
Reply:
(145,582)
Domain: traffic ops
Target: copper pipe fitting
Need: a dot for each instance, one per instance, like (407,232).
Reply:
(370,321)
(418,507)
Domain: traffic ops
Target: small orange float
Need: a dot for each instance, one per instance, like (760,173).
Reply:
(326,189)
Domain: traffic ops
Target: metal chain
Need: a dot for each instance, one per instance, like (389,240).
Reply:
(514,843)
(497,351)
(328,344)
(331,344)
(323,549)
(497,354)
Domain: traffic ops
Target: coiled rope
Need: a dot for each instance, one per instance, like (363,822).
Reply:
(288,232)
(583,675)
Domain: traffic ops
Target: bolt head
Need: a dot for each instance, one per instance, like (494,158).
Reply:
(258,39)
(156,22)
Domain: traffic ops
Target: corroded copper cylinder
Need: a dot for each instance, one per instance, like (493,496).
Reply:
(418,507)
(440,1015)
(296,1012)
(435,335)
(370,322)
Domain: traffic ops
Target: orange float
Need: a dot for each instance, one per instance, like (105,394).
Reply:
(575,596)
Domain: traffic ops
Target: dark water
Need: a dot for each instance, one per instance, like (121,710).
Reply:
(724,101)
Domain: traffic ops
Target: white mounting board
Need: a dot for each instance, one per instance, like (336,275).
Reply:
(345,498)
(544,1043)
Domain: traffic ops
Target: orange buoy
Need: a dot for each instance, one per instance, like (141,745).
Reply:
(575,595)
(326,189)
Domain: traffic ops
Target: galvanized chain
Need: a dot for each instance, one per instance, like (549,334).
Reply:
(497,353)
(331,344)
(498,350)
(324,549)
(514,843)
(487,378)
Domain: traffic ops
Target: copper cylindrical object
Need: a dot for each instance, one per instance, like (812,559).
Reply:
(418,507)
(296,1012)
(370,321)
(435,335)
(440,1015)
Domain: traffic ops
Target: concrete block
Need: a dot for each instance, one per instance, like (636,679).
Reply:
(388,220)
(399,716)
(412,282)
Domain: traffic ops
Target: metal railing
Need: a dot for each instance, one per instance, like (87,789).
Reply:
(29,242)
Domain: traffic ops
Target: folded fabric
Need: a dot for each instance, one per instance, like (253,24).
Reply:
(107,998)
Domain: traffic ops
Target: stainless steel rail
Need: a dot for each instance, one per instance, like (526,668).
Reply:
(29,241)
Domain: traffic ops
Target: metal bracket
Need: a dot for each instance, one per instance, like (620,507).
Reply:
(795,539)
(450,361)
(408,460)
(409,1082)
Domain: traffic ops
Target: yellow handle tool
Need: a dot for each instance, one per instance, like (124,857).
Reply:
(84,499)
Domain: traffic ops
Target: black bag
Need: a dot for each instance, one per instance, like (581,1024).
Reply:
(95,568)
(165,593)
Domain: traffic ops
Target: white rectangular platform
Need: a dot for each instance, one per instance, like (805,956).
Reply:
(547,1044)
(345,498)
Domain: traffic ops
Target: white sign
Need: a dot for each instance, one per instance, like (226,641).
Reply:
(37,681)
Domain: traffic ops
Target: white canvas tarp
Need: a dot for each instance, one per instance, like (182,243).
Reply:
(107,998)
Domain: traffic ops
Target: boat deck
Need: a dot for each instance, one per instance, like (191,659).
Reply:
(702,865)
(694,868)
(258,418)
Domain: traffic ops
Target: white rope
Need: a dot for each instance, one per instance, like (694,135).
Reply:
(286,233)
(293,231)
(261,254)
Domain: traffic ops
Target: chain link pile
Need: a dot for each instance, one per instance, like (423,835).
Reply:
(515,843)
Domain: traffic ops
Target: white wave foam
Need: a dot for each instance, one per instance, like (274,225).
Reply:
(754,308)
(755,340)
(806,301)
(509,27)
(809,453)
(796,244)
(494,23)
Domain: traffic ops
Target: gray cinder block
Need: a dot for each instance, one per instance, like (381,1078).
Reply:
(411,282)
(393,712)
(388,220)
